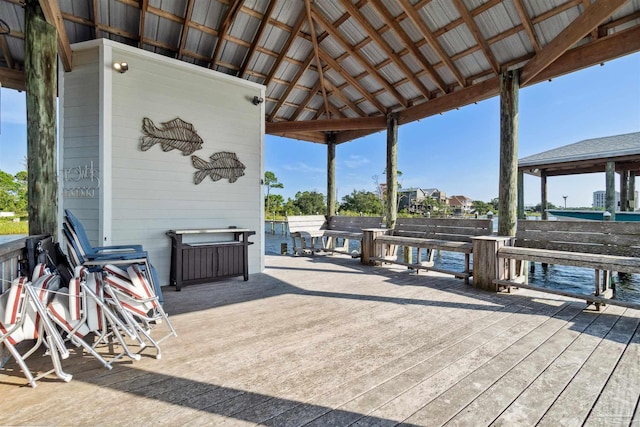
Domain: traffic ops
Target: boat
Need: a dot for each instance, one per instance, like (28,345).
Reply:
(592,215)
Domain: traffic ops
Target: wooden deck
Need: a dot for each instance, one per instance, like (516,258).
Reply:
(323,342)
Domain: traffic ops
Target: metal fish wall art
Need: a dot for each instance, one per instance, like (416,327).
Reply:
(222,165)
(174,134)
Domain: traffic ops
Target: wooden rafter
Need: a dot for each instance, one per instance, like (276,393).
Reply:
(475,31)
(185,28)
(4,46)
(415,51)
(337,36)
(257,37)
(382,43)
(144,5)
(316,56)
(528,26)
(53,16)
(233,10)
(353,82)
(96,17)
(286,47)
(581,26)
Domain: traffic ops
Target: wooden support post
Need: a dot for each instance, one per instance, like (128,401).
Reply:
(486,264)
(624,190)
(544,196)
(331,174)
(632,191)
(369,247)
(610,195)
(392,169)
(521,214)
(509,87)
(40,66)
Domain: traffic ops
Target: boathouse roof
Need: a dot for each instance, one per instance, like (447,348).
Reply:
(590,155)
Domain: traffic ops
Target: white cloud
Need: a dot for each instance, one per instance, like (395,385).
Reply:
(356,161)
(303,167)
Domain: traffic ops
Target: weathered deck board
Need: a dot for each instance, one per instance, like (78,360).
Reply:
(311,342)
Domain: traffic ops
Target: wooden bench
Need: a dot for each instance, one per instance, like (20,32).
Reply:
(342,229)
(431,234)
(306,232)
(599,245)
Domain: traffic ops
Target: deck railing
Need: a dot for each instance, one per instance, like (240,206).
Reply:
(12,261)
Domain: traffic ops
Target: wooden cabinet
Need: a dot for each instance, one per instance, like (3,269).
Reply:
(202,262)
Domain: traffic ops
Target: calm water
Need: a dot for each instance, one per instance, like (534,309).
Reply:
(573,279)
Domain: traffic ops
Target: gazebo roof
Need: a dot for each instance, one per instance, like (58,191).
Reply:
(340,66)
(590,155)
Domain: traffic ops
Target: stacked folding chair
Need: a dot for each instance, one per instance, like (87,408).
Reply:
(23,317)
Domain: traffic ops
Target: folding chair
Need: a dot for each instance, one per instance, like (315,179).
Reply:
(131,291)
(88,255)
(14,305)
(79,310)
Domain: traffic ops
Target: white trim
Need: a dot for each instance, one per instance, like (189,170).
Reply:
(60,151)
(261,177)
(104,144)
(91,44)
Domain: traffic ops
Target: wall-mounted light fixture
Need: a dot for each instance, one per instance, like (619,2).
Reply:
(257,100)
(121,67)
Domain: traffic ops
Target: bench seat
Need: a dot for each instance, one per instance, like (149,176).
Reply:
(415,242)
(623,264)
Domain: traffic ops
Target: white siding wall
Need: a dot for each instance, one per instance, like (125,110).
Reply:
(153,191)
(79,140)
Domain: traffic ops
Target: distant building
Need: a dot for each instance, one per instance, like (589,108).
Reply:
(435,194)
(412,199)
(461,204)
(599,199)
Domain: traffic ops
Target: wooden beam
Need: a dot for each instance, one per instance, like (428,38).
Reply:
(52,13)
(13,79)
(185,28)
(392,170)
(290,87)
(331,175)
(415,17)
(475,31)
(340,95)
(316,56)
(526,23)
(572,34)
(232,11)
(376,122)
(257,37)
(316,137)
(314,90)
(337,36)
(144,4)
(355,13)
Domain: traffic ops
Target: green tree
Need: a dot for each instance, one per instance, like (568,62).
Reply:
(270,181)
(310,202)
(275,202)
(481,207)
(8,192)
(362,201)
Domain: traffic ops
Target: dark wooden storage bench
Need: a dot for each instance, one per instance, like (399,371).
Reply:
(202,262)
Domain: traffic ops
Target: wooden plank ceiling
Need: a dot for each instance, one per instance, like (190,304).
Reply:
(340,66)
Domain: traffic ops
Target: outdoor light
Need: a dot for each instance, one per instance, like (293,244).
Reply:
(121,67)
(257,100)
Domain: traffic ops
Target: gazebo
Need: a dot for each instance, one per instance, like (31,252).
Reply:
(610,154)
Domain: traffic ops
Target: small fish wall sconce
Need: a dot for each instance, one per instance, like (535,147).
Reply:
(174,134)
(222,165)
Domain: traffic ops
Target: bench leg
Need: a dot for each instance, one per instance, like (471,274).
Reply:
(467,263)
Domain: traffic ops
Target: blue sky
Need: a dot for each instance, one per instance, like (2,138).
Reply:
(456,152)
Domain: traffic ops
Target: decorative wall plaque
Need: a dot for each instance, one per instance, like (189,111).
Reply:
(222,165)
(175,134)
